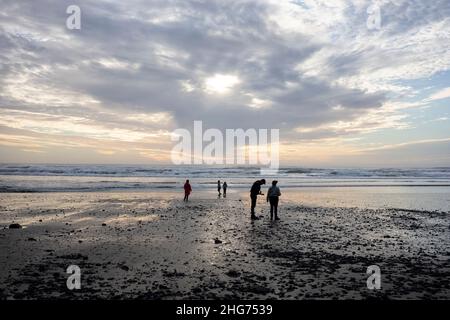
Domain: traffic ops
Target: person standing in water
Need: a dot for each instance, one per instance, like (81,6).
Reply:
(272,196)
(187,190)
(218,187)
(254,192)
(224,186)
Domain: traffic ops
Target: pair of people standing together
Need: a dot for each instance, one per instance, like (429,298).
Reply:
(273,195)
(224,186)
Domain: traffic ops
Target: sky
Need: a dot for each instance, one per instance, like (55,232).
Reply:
(342,91)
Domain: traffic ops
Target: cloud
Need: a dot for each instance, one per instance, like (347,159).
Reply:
(406,144)
(441,94)
(135,71)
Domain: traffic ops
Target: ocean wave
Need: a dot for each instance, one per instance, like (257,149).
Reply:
(155,171)
(16,178)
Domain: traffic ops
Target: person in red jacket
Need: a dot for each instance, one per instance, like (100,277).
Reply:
(187,190)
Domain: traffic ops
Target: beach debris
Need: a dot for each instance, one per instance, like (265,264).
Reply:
(124,267)
(196,290)
(258,289)
(32,239)
(233,273)
(103,224)
(73,256)
(15,226)
(217,241)
(175,273)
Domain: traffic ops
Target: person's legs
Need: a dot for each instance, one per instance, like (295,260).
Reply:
(271,209)
(253,198)
(275,208)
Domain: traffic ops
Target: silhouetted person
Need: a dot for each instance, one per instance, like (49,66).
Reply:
(187,190)
(224,186)
(254,192)
(218,187)
(272,196)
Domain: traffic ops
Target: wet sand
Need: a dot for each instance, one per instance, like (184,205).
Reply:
(155,246)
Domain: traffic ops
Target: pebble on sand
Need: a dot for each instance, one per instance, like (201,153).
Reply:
(124,267)
(233,273)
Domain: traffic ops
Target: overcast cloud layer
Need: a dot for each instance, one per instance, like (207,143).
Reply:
(114,90)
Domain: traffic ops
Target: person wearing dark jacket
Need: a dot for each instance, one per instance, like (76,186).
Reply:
(224,187)
(254,192)
(272,196)
(187,190)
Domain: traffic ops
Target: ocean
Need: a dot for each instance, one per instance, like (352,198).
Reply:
(64,178)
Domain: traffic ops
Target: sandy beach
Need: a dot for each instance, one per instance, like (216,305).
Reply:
(112,111)
(144,245)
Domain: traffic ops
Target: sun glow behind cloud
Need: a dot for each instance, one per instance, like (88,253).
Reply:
(221,83)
